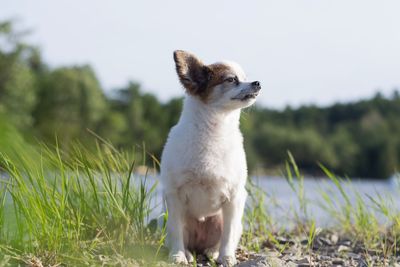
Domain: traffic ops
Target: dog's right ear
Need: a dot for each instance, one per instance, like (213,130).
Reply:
(193,74)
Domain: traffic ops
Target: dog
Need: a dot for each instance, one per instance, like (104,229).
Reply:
(203,165)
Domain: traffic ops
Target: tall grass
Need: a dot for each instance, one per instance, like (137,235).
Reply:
(257,219)
(355,215)
(351,215)
(74,207)
(296,182)
(3,190)
(360,218)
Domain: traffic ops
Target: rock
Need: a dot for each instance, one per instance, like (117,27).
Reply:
(362,263)
(325,241)
(268,244)
(343,248)
(261,261)
(283,241)
(302,261)
(266,261)
(304,242)
(324,258)
(345,242)
(338,261)
(334,238)
(353,255)
(273,254)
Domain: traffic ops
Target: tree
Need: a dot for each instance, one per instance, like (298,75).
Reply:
(70,101)
(17,80)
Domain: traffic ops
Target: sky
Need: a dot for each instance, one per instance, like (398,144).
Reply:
(303,51)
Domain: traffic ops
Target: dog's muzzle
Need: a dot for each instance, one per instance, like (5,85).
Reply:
(249,93)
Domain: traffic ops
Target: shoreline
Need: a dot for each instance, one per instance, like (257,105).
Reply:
(328,248)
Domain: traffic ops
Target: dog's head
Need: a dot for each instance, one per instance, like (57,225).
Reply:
(221,85)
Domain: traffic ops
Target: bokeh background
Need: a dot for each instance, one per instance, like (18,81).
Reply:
(71,71)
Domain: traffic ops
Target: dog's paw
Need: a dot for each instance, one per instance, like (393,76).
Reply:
(211,253)
(227,261)
(189,256)
(178,257)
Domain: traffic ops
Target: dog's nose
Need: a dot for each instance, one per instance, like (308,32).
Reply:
(256,85)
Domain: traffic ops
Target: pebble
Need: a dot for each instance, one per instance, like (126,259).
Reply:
(362,263)
(345,242)
(343,248)
(325,241)
(353,255)
(304,242)
(284,241)
(302,261)
(338,261)
(334,239)
(262,261)
(324,258)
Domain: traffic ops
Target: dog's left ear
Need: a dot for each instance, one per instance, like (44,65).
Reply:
(193,74)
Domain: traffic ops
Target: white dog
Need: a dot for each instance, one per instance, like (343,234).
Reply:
(203,165)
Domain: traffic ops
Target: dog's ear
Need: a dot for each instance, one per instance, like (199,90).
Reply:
(193,74)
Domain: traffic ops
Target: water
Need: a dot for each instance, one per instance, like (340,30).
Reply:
(282,202)
(286,200)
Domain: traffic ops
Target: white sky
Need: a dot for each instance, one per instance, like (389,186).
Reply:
(314,51)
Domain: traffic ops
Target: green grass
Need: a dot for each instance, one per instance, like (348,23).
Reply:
(86,208)
(76,208)
(350,217)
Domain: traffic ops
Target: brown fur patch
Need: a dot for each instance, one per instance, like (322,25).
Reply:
(203,235)
(192,73)
(218,74)
(197,78)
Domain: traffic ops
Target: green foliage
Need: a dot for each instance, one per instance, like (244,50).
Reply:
(70,100)
(307,145)
(11,141)
(360,139)
(17,79)
(65,203)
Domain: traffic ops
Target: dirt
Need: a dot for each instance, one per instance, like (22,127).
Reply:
(327,249)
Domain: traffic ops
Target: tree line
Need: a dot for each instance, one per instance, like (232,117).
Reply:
(359,139)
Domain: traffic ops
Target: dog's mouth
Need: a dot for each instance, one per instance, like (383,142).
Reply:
(245,97)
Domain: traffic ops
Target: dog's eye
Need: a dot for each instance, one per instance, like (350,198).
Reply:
(231,79)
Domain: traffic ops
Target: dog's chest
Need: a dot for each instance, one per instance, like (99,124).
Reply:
(205,197)
(211,175)
(214,157)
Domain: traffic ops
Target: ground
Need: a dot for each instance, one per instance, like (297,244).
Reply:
(327,249)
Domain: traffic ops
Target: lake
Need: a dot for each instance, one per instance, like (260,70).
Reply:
(282,202)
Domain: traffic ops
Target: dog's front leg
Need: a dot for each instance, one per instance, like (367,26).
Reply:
(232,212)
(175,229)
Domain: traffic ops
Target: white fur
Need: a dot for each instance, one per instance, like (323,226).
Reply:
(204,171)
